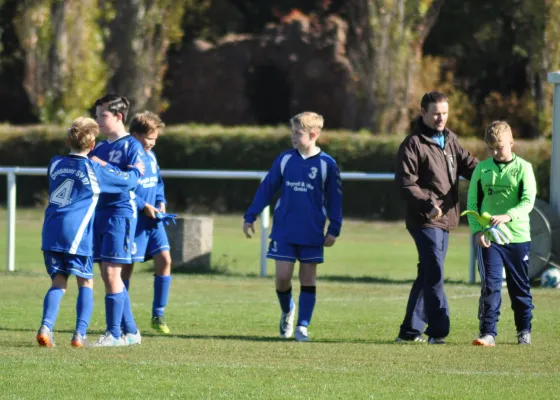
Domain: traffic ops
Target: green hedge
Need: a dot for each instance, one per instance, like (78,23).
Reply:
(246,148)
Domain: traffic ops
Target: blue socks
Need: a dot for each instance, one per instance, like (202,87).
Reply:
(84,308)
(128,323)
(286,301)
(51,305)
(161,294)
(114,305)
(307,299)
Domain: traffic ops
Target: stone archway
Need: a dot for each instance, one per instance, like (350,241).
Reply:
(268,92)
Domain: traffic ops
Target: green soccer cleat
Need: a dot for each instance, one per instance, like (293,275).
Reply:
(159,325)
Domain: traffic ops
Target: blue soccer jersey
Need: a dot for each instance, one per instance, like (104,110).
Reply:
(121,153)
(150,187)
(150,238)
(310,190)
(75,185)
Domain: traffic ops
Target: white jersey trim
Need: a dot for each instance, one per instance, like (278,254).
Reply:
(283,163)
(90,211)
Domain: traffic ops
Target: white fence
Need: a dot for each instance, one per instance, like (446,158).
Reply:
(12,172)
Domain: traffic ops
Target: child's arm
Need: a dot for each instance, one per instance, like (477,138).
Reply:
(268,187)
(161,202)
(529,192)
(333,190)
(474,200)
(111,179)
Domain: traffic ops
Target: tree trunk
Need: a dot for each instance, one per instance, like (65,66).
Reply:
(385,47)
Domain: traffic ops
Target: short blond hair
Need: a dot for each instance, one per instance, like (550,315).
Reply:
(308,121)
(498,131)
(82,133)
(146,122)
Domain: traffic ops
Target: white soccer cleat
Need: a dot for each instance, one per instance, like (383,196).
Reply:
(301,334)
(107,340)
(287,323)
(132,338)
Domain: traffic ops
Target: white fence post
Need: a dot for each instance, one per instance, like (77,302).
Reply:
(554,77)
(472,259)
(11,199)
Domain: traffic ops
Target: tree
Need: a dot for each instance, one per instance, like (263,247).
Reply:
(139,35)
(62,43)
(385,48)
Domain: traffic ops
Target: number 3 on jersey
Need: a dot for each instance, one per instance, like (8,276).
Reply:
(62,194)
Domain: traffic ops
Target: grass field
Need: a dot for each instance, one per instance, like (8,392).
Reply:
(225,345)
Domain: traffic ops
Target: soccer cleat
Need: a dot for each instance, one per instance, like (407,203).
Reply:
(159,325)
(415,339)
(436,340)
(484,340)
(132,338)
(107,340)
(45,337)
(524,337)
(78,340)
(287,323)
(301,334)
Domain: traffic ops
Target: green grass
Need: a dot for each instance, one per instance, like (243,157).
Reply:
(225,345)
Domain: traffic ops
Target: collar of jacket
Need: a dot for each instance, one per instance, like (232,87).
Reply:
(417,130)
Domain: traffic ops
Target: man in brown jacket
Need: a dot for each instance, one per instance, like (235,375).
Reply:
(429,163)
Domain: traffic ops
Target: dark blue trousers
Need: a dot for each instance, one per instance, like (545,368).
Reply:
(514,258)
(427,303)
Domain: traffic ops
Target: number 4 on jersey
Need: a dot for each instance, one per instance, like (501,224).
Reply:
(62,194)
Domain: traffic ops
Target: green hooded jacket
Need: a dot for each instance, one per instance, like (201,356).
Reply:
(504,188)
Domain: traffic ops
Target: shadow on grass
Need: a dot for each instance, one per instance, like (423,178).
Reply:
(250,338)
(225,271)
(376,279)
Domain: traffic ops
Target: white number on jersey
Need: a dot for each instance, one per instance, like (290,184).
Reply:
(115,156)
(313,173)
(62,194)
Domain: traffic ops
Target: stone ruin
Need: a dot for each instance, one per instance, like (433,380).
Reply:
(299,65)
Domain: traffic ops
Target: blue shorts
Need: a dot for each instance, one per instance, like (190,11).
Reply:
(113,239)
(282,251)
(68,264)
(149,242)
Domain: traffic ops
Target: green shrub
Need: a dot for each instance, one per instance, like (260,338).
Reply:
(247,148)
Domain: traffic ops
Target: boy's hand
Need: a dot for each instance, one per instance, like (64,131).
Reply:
(482,240)
(500,219)
(246,227)
(140,166)
(98,161)
(435,213)
(162,207)
(150,211)
(329,241)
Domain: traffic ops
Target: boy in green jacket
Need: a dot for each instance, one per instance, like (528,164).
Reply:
(503,186)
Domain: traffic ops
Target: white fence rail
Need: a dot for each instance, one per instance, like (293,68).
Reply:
(12,172)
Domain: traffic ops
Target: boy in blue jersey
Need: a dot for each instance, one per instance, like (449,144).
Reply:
(310,190)
(151,239)
(115,220)
(75,183)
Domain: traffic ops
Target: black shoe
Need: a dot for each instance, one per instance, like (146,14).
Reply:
(436,340)
(415,339)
